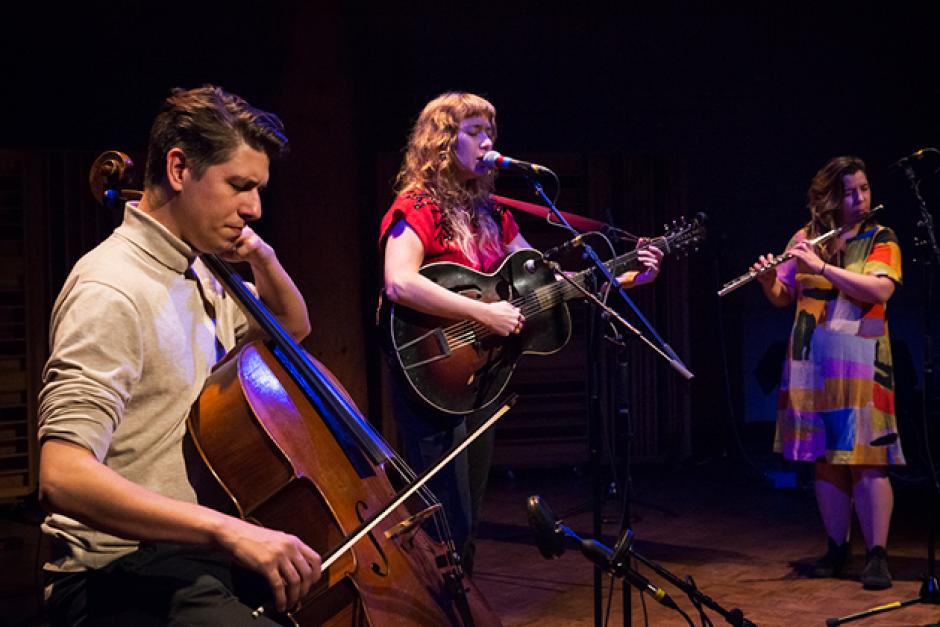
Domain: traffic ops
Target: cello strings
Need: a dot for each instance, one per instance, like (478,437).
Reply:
(425,494)
(442,526)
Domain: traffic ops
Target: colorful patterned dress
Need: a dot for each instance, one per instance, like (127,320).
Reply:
(837,391)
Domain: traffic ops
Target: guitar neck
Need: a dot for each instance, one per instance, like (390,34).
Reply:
(549,296)
(616,266)
(557,292)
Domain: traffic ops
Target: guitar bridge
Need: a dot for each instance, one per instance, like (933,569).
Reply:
(442,342)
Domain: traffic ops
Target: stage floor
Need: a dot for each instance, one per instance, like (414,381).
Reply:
(746,544)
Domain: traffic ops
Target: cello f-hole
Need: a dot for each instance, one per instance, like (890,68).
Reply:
(378,569)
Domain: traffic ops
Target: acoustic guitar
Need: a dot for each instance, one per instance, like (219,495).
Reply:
(458,367)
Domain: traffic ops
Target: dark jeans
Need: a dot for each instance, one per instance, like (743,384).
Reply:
(479,461)
(158,585)
(460,486)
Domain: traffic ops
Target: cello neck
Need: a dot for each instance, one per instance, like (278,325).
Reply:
(348,425)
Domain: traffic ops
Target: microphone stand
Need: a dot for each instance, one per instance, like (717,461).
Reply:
(928,253)
(550,534)
(594,409)
(666,351)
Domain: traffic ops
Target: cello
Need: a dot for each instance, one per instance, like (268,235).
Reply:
(292,452)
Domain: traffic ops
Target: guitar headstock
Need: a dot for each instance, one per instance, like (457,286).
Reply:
(682,234)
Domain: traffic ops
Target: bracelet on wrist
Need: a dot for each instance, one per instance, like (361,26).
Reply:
(823,269)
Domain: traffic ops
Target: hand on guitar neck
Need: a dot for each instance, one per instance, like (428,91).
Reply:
(650,257)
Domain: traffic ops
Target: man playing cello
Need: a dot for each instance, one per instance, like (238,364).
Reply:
(135,331)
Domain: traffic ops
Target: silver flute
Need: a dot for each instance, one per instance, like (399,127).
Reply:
(750,275)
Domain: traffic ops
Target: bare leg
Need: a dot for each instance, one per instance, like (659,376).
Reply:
(834,499)
(874,502)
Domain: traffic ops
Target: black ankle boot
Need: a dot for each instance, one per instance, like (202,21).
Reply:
(875,576)
(831,564)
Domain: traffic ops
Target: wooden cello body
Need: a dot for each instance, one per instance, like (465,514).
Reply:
(283,467)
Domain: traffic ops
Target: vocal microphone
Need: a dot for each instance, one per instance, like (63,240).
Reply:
(493,159)
(554,253)
(915,156)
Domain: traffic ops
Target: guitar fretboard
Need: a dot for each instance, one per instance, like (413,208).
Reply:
(546,297)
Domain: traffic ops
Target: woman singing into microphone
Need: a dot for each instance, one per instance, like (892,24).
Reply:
(444,212)
(837,394)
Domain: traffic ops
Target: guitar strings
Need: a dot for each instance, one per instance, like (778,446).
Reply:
(466,332)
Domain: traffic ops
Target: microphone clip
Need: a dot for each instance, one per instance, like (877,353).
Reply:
(531,265)
(554,253)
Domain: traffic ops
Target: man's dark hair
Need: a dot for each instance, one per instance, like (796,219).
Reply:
(208,124)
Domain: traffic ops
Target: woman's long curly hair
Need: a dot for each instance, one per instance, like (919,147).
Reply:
(430,166)
(824,200)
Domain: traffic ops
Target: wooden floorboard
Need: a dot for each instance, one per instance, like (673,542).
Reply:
(746,544)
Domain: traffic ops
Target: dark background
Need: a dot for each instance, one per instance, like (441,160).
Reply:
(680,106)
(751,102)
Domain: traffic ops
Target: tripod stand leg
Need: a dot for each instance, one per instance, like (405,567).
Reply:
(929,592)
(832,622)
